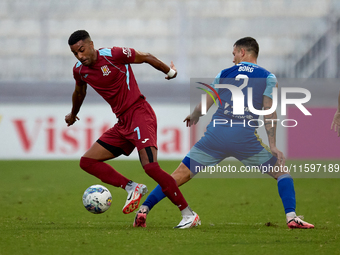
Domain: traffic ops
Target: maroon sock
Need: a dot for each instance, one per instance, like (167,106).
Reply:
(167,183)
(104,172)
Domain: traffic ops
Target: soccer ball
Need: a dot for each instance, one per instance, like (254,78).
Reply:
(97,199)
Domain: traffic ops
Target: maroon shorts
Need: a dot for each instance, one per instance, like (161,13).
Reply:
(137,127)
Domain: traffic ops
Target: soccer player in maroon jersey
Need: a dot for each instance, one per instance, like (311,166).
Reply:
(109,72)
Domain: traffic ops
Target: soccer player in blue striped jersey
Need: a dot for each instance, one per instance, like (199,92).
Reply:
(234,140)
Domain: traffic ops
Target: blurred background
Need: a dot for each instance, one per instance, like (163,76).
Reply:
(299,42)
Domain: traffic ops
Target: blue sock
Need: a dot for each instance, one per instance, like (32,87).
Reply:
(285,185)
(154,197)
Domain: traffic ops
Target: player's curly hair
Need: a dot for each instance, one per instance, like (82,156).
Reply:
(250,44)
(78,36)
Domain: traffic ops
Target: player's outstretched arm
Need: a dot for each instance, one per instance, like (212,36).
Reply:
(193,118)
(270,122)
(77,100)
(336,120)
(141,57)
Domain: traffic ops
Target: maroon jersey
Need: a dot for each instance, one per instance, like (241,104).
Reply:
(112,77)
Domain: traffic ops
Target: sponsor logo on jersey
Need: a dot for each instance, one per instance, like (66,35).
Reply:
(105,70)
(127,51)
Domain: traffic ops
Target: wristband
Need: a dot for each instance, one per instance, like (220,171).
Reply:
(171,73)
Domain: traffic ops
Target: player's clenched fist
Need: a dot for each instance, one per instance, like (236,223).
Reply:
(70,119)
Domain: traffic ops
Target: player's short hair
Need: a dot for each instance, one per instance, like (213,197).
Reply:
(79,35)
(249,44)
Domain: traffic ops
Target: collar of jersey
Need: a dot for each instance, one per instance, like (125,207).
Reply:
(248,63)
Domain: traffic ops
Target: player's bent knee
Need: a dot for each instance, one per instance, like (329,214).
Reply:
(86,163)
(151,168)
(146,156)
(159,175)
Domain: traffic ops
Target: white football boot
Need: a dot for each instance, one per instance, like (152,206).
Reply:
(189,221)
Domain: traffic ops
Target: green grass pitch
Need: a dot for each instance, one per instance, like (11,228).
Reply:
(42,213)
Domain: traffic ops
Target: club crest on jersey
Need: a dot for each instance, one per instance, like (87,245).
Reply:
(105,70)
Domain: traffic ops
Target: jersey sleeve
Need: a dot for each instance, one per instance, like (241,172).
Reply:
(216,81)
(123,55)
(76,75)
(270,84)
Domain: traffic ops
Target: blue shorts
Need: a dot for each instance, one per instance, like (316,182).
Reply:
(223,141)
